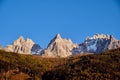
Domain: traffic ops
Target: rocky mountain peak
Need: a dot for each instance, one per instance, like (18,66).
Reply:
(59,47)
(29,41)
(22,46)
(21,39)
(58,36)
(98,43)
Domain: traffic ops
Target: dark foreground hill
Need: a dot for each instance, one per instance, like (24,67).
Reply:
(89,67)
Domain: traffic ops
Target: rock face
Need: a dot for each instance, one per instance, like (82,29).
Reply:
(36,49)
(97,44)
(59,47)
(23,46)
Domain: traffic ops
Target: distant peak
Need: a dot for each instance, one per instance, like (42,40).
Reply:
(100,36)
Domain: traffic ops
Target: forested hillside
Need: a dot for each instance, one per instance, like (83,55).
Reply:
(31,67)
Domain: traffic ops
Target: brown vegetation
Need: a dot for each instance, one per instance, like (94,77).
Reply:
(30,67)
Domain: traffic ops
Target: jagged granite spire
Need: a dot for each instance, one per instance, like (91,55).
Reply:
(57,37)
(59,47)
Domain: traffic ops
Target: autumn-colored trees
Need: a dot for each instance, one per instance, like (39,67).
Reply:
(92,67)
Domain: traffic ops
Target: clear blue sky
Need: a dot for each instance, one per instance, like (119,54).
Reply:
(41,20)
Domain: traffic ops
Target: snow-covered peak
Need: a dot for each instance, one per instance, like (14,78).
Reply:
(98,43)
(100,36)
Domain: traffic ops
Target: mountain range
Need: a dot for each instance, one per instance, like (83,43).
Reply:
(59,47)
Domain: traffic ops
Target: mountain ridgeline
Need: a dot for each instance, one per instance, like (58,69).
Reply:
(59,47)
(23,46)
(62,59)
(104,66)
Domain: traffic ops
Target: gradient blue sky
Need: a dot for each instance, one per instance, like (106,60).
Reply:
(41,20)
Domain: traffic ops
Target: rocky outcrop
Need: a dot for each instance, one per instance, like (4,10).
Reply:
(22,46)
(97,44)
(59,47)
